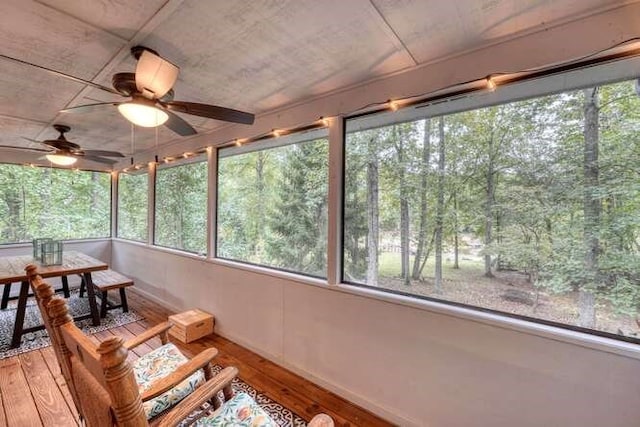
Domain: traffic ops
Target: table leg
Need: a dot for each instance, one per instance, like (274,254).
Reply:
(5,296)
(95,315)
(22,307)
(65,286)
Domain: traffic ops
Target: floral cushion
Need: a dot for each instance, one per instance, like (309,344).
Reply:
(158,364)
(240,411)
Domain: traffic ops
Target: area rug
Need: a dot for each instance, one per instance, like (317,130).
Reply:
(283,416)
(39,339)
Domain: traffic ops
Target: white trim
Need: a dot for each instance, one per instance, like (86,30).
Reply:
(212,200)
(334,196)
(151,204)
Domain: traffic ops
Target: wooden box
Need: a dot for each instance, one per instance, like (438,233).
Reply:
(191,325)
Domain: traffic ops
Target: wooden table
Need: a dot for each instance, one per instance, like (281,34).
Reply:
(73,262)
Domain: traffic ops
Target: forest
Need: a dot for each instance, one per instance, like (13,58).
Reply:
(529,208)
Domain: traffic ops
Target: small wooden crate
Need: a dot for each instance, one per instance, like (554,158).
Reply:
(191,325)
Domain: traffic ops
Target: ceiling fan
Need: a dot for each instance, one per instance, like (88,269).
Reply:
(151,93)
(65,153)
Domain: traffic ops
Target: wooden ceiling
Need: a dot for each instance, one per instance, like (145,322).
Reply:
(244,54)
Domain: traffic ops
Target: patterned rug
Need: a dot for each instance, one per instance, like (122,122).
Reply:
(35,340)
(282,415)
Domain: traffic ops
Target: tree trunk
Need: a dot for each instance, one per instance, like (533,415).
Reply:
(456,244)
(404,207)
(440,207)
(373,214)
(424,172)
(592,208)
(488,210)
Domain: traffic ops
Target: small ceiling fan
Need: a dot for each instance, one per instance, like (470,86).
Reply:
(65,153)
(151,93)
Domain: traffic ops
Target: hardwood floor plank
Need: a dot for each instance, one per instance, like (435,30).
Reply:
(3,419)
(52,363)
(47,396)
(20,409)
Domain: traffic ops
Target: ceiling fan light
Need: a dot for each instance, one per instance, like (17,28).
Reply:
(61,159)
(143,115)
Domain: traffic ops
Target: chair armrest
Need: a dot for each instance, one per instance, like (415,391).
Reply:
(199,397)
(147,335)
(321,420)
(180,374)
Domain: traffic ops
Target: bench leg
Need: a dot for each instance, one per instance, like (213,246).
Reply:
(65,286)
(82,286)
(5,296)
(22,306)
(103,304)
(95,315)
(123,300)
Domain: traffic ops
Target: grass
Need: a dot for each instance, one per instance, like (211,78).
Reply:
(390,264)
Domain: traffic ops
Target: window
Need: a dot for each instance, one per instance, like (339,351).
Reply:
(57,203)
(181,207)
(527,207)
(272,203)
(133,195)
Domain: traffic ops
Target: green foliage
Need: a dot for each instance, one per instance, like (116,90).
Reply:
(58,203)
(533,151)
(181,207)
(272,207)
(133,194)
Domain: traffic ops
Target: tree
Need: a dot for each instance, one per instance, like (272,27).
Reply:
(440,205)
(592,208)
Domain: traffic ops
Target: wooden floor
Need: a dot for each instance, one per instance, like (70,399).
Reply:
(33,392)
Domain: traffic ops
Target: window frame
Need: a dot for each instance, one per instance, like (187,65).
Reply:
(267,144)
(197,158)
(616,71)
(74,239)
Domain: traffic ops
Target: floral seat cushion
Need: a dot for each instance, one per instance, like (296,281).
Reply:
(158,364)
(240,411)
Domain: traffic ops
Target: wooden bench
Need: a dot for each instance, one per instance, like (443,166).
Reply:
(107,280)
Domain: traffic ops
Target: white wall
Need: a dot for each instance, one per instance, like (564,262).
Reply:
(414,366)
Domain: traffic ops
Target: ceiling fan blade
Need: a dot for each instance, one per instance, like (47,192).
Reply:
(211,112)
(179,125)
(88,107)
(155,76)
(104,153)
(42,150)
(96,159)
(61,74)
(60,144)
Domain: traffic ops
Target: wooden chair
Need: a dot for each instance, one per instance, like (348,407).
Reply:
(108,391)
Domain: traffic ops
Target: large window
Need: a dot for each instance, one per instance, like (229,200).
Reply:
(530,208)
(57,203)
(133,196)
(272,204)
(181,207)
